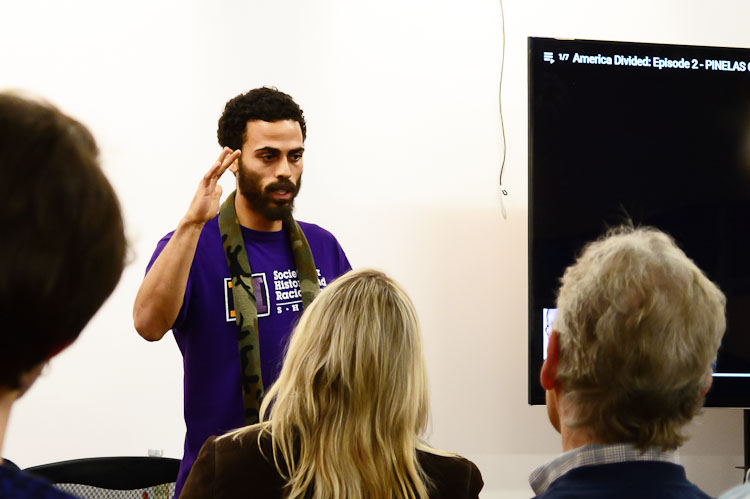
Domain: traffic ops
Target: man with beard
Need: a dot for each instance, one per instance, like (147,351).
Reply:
(231,286)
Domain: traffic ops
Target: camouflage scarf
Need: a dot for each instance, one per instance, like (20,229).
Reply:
(246,312)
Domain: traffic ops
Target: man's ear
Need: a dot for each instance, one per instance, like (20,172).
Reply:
(235,166)
(707,385)
(548,375)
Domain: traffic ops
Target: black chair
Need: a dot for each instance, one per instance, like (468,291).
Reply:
(112,477)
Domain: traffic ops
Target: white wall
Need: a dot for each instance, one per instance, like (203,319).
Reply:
(402,164)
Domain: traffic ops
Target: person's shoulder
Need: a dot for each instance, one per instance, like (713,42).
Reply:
(328,253)
(314,230)
(16,484)
(445,461)
(453,475)
(243,444)
(739,492)
(240,462)
(623,480)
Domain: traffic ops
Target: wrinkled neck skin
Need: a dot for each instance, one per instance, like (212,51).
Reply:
(560,410)
(572,438)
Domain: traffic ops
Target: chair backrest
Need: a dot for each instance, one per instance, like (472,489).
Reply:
(112,477)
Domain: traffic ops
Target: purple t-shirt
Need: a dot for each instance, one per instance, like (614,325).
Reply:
(206,331)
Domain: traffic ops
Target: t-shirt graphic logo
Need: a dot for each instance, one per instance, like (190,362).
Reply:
(260,288)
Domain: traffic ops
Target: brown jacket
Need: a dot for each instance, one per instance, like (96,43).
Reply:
(231,468)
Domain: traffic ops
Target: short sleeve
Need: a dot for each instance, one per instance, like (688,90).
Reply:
(343,262)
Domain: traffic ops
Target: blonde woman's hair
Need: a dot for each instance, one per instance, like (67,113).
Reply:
(351,401)
(639,326)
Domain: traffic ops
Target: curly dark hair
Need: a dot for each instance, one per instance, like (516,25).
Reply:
(63,247)
(264,103)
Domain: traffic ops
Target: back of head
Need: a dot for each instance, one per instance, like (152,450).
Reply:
(351,399)
(63,243)
(264,104)
(639,326)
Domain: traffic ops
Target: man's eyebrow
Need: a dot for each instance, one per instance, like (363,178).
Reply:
(299,150)
(268,149)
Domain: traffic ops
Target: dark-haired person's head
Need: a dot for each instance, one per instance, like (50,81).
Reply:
(262,104)
(63,248)
(269,128)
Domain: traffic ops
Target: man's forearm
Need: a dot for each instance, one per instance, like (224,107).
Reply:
(163,289)
(162,292)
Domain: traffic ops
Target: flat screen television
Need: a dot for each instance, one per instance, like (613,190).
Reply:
(656,133)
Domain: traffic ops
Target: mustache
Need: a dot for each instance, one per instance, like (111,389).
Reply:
(283,184)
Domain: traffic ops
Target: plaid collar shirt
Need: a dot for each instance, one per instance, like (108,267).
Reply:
(593,454)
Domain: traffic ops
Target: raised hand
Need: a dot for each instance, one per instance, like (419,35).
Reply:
(205,203)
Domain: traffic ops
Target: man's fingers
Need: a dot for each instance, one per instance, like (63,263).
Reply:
(226,158)
(213,171)
(229,159)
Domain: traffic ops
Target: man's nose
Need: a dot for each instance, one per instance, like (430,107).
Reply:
(284,170)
